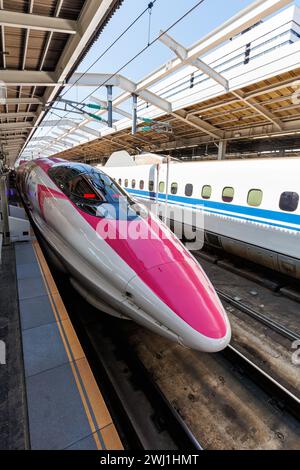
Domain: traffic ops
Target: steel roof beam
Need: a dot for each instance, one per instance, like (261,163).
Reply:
(70,139)
(16,101)
(54,123)
(12,136)
(92,14)
(260,110)
(42,138)
(12,146)
(16,115)
(90,131)
(182,54)
(65,141)
(262,131)
(15,19)
(74,133)
(290,82)
(15,142)
(237,24)
(28,78)
(199,124)
(245,18)
(14,131)
(15,125)
(234,26)
(115,109)
(94,79)
(63,137)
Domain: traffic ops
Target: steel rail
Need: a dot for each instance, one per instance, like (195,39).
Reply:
(274,325)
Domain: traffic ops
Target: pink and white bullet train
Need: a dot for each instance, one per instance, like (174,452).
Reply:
(152,279)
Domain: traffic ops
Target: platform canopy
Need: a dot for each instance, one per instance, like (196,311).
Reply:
(238,84)
(41,44)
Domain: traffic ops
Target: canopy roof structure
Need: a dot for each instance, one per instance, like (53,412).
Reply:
(41,44)
(239,83)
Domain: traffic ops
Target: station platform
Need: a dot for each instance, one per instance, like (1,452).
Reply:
(59,402)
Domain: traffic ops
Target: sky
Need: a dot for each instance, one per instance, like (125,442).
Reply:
(206,17)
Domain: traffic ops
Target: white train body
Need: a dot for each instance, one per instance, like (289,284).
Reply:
(260,223)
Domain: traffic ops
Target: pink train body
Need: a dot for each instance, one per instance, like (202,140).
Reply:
(151,279)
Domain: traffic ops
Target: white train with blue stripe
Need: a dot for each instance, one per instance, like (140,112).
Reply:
(251,208)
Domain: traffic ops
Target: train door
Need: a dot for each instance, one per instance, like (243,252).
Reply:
(162,190)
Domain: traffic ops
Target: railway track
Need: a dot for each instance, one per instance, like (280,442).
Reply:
(227,400)
(140,403)
(274,325)
(279,394)
(272,280)
(149,415)
(267,318)
(116,352)
(146,415)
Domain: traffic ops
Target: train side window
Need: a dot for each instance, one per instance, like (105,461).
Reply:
(206,192)
(174,188)
(133,184)
(126,183)
(120,182)
(162,187)
(228,194)
(189,190)
(289,201)
(142,184)
(151,185)
(255,197)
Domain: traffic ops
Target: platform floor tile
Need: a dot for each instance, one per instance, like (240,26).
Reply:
(43,349)
(66,409)
(35,311)
(57,422)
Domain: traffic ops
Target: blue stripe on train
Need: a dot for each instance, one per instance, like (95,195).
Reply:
(196,203)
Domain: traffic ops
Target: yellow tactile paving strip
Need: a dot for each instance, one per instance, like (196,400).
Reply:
(100,421)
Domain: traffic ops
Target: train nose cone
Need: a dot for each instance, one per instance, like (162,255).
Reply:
(185,289)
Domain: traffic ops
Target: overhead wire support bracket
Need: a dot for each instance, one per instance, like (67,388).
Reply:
(160,127)
(78,108)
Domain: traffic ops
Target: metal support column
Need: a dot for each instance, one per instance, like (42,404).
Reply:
(134,113)
(110,105)
(222,149)
(4,209)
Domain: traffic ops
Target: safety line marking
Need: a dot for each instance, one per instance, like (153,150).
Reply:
(95,408)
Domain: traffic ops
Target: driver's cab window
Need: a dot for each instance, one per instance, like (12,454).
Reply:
(80,187)
(92,191)
(75,184)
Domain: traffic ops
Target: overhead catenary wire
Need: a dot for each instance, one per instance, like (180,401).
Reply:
(140,15)
(148,9)
(132,59)
(156,39)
